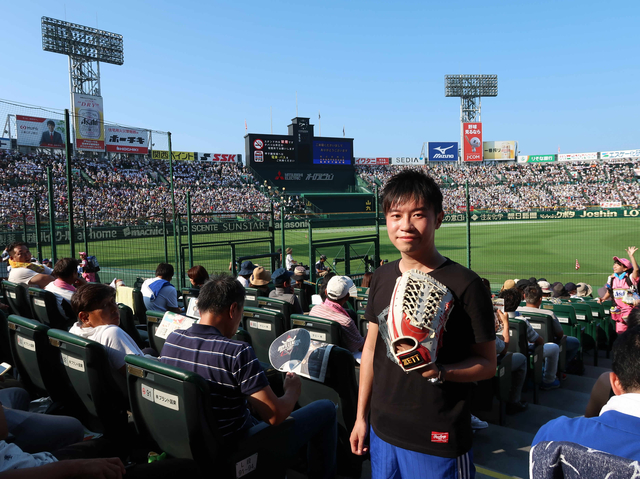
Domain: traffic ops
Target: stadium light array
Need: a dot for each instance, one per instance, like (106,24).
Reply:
(470,86)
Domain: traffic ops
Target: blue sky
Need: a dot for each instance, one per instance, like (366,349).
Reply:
(568,71)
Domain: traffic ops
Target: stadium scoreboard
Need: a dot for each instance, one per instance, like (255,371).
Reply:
(301,162)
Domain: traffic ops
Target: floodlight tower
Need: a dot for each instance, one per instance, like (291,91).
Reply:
(470,89)
(86,47)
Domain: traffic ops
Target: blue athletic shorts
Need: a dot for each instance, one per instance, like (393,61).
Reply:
(391,462)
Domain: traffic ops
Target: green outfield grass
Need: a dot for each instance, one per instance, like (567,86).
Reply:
(499,251)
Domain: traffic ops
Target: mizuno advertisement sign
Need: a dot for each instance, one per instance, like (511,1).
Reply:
(443,151)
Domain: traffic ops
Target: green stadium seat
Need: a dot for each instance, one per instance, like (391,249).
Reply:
(153,320)
(18,299)
(139,309)
(584,323)
(278,306)
(127,323)
(603,323)
(320,329)
(518,344)
(5,348)
(543,325)
(44,305)
(363,324)
(502,383)
(89,374)
(251,297)
(188,294)
(172,406)
(361,301)
(264,326)
(242,335)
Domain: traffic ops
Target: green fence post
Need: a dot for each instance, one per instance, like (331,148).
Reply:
(273,236)
(180,265)
(36,219)
(24,229)
(377,259)
(52,216)
(189,234)
(164,235)
(284,253)
(69,151)
(173,204)
(312,264)
(466,188)
(84,231)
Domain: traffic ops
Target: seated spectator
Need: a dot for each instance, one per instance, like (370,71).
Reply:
(282,281)
(321,268)
(338,293)
(545,287)
(533,300)
(98,320)
(511,299)
(584,290)
(617,429)
(306,290)
(246,270)
(236,377)
(366,281)
(260,279)
(508,284)
(197,276)
(158,293)
(23,270)
(560,292)
(572,291)
(66,274)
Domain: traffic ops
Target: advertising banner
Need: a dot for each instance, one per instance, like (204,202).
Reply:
(177,155)
(126,140)
(619,154)
(218,157)
(523,158)
(578,156)
(472,146)
(443,151)
(35,131)
(5,143)
(541,158)
(89,122)
(372,161)
(499,150)
(406,160)
(611,204)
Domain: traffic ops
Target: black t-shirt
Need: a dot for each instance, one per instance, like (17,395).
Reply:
(407,410)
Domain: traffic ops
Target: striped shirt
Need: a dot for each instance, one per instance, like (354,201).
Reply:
(230,366)
(334,312)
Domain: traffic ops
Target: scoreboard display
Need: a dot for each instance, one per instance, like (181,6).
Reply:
(299,161)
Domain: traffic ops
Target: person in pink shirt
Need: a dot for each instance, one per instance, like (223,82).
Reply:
(622,286)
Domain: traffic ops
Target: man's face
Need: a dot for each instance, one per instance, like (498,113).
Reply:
(411,227)
(21,254)
(106,313)
(51,127)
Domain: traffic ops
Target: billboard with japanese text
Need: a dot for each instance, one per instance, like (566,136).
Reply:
(472,141)
(89,122)
(45,132)
(578,156)
(176,155)
(619,154)
(372,161)
(443,151)
(499,150)
(122,139)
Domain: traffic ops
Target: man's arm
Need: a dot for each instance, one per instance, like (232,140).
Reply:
(41,280)
(480,365)
(273,409)
(361,426)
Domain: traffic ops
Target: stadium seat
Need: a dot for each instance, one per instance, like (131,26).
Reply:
(363,324)
(153,320)
(44,306)
(278,306)
(320,329)
(361,301)
(518,344)
(302,299)
(543,325)
(242,335)
(264,326)
(251,297)
(5,348)
(172,406)
(604,325)
(89,374)
(18,299)
(188,294)
(567,312)
(127,323)
(139,309)
(585,318)
(498,386)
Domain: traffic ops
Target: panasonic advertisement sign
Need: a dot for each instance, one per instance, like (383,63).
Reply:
(443,151)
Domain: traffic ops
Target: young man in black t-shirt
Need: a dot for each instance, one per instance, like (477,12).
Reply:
(418,427)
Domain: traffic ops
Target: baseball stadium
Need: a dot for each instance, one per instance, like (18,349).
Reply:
(128,265)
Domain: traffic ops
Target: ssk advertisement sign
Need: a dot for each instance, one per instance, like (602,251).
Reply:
(443,151)
(472,141)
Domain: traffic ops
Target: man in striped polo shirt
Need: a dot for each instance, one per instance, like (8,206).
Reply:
(236,376)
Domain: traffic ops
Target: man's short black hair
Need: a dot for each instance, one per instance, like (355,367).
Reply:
(65,267)
(14,245)
(51,122)
(626,360)
(219,293)
(532,294)
(90,296)
(634,317)
(412,185)
(165,271)
(512,298)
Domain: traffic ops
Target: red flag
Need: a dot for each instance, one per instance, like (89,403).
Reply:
(245,125)
(577,264)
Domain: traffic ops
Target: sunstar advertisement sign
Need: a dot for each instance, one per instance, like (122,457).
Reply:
(472,141)
(443,151)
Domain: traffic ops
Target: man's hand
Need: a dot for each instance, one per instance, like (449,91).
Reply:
(101,468)
(430,372)
(358,437)
(292,382)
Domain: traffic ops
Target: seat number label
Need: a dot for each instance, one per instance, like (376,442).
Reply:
(38,302)
(26,343)
(246,466)
(147,392)
(318,336)
(73,363)
(260,325)
(166,400)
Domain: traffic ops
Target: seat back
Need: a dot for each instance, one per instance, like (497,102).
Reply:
(361,301)
(5,347)
(172,406)
(264,326)
(363,324)
(320,329)
(518,336)
(87,368)
(153,320)
(124,295)
(543,325)
(44,305)
(188,294)
(139,309)
(251,297)
(128,324)
(18,299)
(278,306)
(27,339)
